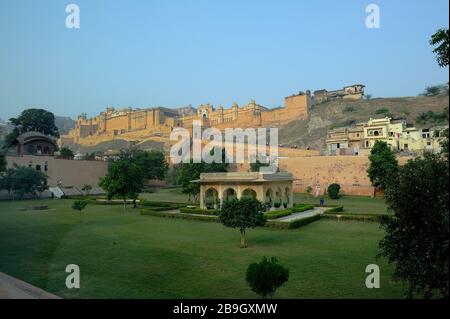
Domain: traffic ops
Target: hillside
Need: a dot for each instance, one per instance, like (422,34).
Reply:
(325,116)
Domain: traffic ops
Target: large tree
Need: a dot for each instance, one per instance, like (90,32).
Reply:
(417,236)
(124,180)
(242,213)
(32,120)
(383,164)
(440,40)
(191,171)
(153,163)
(23,180)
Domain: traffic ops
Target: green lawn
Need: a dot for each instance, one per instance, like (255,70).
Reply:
(352,204)
(166,195)
(126,255)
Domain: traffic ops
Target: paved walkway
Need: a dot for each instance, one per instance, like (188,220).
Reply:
(12,288)
(301,215)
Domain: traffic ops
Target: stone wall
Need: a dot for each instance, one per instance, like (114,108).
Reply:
(69,172)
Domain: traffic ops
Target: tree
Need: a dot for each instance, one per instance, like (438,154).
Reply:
(191,171)
(266,277)
(441,40)
(333,191)
(123,180)
(32,120)
(368,96)
(24,180)
(242,214)
(153,163)
(383,164)
(86,188)
(432,90)
(66,153)
(79,205)
(2,163)
(417,236)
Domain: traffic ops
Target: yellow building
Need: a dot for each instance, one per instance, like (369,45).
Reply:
(401,138)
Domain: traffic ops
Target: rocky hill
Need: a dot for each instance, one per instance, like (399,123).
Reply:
(419,111)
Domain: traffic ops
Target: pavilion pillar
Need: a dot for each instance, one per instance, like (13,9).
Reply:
(202,197)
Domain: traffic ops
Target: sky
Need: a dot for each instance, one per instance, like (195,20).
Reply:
(175,53)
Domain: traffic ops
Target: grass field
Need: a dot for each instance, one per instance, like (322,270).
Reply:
(358,205)
(126,255)
(352,204)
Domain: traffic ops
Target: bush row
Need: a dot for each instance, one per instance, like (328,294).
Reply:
(293,224)
(336,209)
(298,208)
(149,212)
(365,218)
(198,211)
(274,214)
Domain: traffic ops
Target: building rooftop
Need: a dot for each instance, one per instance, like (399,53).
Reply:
(244,177)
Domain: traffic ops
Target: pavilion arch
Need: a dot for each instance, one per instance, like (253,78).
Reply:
(268,199)
(287,197)
(278,201)
(229,194)
(212,198)
(249,193)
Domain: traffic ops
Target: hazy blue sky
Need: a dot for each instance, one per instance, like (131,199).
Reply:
(175,53)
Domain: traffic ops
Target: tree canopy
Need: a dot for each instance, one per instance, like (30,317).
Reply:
(383,164)
(2,162)
(123,180)
(23,180)
(266,277)
(66,153)
(440,40)
(417,236)
(242,214)
(39,120)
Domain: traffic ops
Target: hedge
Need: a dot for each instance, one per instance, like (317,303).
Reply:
(274,214)
(365,218)
(292,224)
(298,208)
(208,218)
(198,211)
(336,209)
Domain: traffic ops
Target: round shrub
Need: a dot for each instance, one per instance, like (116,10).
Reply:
(333,191)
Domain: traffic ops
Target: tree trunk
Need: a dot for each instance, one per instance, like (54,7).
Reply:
(243,242)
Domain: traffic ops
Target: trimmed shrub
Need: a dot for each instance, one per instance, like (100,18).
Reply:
(208,218)
(277,213)
(198,211)
(298,208)
(333,191)
(362,218)
(336,209)
(293,224)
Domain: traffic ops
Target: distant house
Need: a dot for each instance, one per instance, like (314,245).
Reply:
(34,143)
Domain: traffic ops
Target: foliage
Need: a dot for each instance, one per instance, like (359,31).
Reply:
(433,117)
(383,164)
(242,214)
(32,120)
(298,208)
(309,190)
(152,163)
(417,236)
(333,190)
(2,163)
(266,277)
(441,40)
(191,171)
(123,180)
(22,180)
(349,109)
(79,205)
(277,213)
(368,96)
(66,153)
(382,110)
(198,210)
